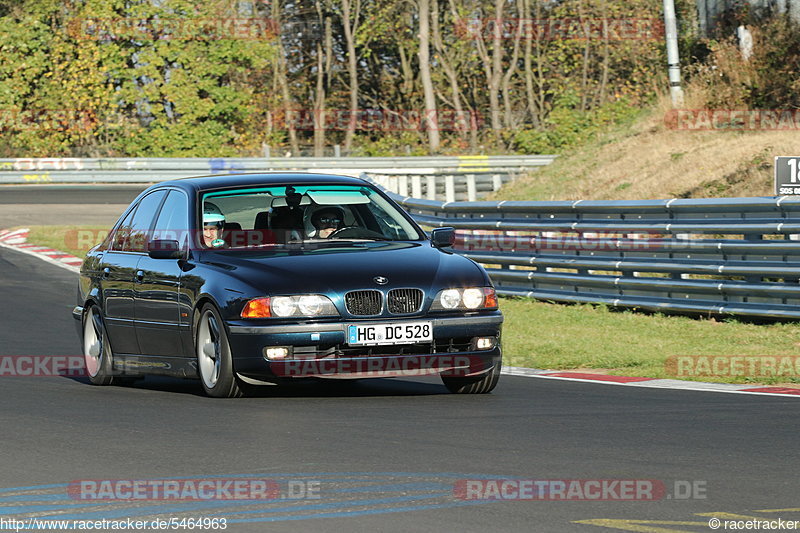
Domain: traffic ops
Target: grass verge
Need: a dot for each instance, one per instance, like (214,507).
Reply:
(562,337)
(75,240)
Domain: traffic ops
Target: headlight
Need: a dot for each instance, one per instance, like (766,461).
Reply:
(473,298)
(306,305)
(283,306)
(468,298)
(449,298)
(310,304)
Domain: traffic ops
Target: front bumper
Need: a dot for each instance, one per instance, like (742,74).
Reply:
(321,350)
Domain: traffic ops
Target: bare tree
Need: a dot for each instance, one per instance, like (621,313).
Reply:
(431,113)
(351,14)
(324,61)
(512,68)
(449,70)
(280,73)
(493,64)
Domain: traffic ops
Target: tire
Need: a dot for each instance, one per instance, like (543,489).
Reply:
(213,352)
(97,353)
(482,384)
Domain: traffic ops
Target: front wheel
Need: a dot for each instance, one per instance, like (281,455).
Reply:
(482,384)
(214,362)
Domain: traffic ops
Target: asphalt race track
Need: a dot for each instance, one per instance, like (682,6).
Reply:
(64,204)
(377,455)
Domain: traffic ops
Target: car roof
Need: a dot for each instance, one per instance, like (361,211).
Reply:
(217,181)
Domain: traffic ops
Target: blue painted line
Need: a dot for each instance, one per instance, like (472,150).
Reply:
(343,503)
(44,508)
(132,512)
(30,498)
(34,487)
(219,507)
(396,487)
(358,513)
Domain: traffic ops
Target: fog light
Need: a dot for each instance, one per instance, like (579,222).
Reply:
(484,343)
(277,352)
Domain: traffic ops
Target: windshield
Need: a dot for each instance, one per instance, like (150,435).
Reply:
(275,216)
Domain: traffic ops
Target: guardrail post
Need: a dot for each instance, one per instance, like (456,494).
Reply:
(472,193)
(431,187)
(449,188)
(416,186)
(403,186)
(497,182)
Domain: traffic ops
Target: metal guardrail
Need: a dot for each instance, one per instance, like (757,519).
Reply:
(713,256)
(447,178)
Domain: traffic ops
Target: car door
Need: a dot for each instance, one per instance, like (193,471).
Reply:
(157,290)
(119,271)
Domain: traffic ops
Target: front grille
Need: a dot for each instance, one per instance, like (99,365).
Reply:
(364,303)
(404,301)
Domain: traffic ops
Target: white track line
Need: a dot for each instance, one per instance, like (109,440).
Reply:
(699,386)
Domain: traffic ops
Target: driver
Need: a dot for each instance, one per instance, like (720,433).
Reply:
(213,222)
(327,220)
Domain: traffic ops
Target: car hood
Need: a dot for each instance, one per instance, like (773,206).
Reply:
(335,269)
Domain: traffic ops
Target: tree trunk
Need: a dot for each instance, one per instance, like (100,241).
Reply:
(350,22)
(462,122)
(280,73)
(431,115)
(497,67)
(512,69)
(323,66)
(533,108)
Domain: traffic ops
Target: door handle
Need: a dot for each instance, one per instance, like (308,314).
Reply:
(139,275)
(106,272)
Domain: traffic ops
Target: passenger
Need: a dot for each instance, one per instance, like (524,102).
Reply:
(213,223)
(327,220)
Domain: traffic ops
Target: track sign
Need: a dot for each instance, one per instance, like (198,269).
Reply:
(787,176)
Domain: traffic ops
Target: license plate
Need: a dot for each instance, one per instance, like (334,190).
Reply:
(374,334)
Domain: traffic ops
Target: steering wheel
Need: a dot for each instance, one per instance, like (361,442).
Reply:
(356,232)
(342,232)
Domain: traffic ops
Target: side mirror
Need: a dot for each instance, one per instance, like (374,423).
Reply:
(164,249)
(443,237)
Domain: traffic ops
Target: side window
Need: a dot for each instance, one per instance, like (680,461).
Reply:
(139,233)
(173,220)
(122,232)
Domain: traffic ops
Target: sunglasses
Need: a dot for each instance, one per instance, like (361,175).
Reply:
(328,220)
